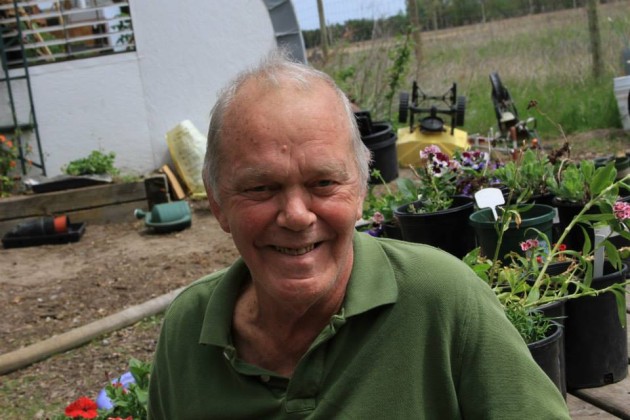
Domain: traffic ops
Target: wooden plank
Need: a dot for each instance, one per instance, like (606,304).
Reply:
(59,202)
(580,409)
(120,213)
(176,186)
(611,398)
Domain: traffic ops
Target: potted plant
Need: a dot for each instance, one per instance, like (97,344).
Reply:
(380,203)
(527,176)
(526,284)
(574,185)
(438,216)
(514,224)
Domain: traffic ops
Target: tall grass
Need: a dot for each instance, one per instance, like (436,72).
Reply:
(541,57)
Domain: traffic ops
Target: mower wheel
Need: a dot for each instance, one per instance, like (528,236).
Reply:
(460,111)
(403,107)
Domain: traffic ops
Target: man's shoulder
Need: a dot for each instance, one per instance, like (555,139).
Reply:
(412,256)
(429,270)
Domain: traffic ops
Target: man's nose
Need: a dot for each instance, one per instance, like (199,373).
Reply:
(295,210)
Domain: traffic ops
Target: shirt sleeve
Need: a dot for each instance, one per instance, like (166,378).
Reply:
(499,378)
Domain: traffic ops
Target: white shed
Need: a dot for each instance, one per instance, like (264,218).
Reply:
(126,102)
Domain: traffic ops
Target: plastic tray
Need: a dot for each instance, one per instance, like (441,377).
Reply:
(74,233)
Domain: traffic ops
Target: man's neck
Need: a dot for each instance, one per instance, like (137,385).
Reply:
(275,336)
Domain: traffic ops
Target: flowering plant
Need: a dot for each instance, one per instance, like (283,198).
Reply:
(8,161)
(122,399)
(475,170)
(441,177)
(437,174)
(382,200)
(527,282)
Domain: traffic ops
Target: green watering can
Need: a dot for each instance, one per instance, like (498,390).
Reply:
(167,217)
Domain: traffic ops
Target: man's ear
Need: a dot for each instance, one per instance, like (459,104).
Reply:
(217,211)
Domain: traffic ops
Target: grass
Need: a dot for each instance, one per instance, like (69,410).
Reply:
(543,57)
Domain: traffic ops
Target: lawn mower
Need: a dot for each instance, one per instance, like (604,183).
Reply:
(513,132)
(430,128)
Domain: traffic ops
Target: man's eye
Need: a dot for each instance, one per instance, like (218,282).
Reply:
(259,188)
(324,183)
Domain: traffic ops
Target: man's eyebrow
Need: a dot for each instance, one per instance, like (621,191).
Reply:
(253,173)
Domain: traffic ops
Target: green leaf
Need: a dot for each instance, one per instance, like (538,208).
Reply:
(603,178)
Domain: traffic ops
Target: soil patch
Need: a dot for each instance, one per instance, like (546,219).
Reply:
(50,289)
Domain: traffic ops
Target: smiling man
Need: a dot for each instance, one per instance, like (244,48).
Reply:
(316,320)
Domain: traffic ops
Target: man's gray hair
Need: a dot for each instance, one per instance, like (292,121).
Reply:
(275,65)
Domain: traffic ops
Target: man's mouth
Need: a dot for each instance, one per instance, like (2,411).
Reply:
(295,251)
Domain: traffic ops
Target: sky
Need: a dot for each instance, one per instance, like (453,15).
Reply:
(339,11)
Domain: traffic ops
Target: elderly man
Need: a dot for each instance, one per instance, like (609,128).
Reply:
(316,320)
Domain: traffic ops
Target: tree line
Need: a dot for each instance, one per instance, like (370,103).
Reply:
(438,14)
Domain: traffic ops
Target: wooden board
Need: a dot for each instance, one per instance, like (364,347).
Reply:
(613,398)
(580,409)
(59,202)
(176,187)
(112,203)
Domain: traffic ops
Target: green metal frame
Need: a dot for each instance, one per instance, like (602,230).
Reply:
(17,129)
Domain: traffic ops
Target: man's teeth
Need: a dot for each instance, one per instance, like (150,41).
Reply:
(295,251)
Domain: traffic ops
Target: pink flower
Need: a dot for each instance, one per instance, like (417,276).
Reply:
(429,150)
(529,244)
(378,218)
(622,210)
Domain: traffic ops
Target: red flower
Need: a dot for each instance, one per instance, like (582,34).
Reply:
(83,407)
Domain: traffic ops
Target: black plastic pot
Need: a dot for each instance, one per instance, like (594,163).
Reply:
(549,354)
(596,346)
(381,131)
(566,212)
(622,164)
(364,122)
(538,216)
(41,226)
(447,229)
(385,159)
(392,230)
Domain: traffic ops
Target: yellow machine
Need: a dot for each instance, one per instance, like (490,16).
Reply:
(430,128)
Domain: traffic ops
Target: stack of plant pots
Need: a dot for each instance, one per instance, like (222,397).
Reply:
(380,138)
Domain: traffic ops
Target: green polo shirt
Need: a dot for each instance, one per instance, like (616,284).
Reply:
(418,336)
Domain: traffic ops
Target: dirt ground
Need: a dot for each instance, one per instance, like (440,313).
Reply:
(51,289)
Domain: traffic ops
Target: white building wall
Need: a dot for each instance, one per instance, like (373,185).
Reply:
(125,103)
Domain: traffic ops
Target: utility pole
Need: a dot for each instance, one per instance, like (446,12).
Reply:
(322,29)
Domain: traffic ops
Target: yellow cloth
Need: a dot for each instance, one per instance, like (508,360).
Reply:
(410,144)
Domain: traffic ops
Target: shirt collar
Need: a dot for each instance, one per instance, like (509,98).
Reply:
(372,284)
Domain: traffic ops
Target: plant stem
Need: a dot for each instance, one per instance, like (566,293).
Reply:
(572,224)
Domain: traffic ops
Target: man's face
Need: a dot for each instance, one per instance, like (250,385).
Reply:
(290,192)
